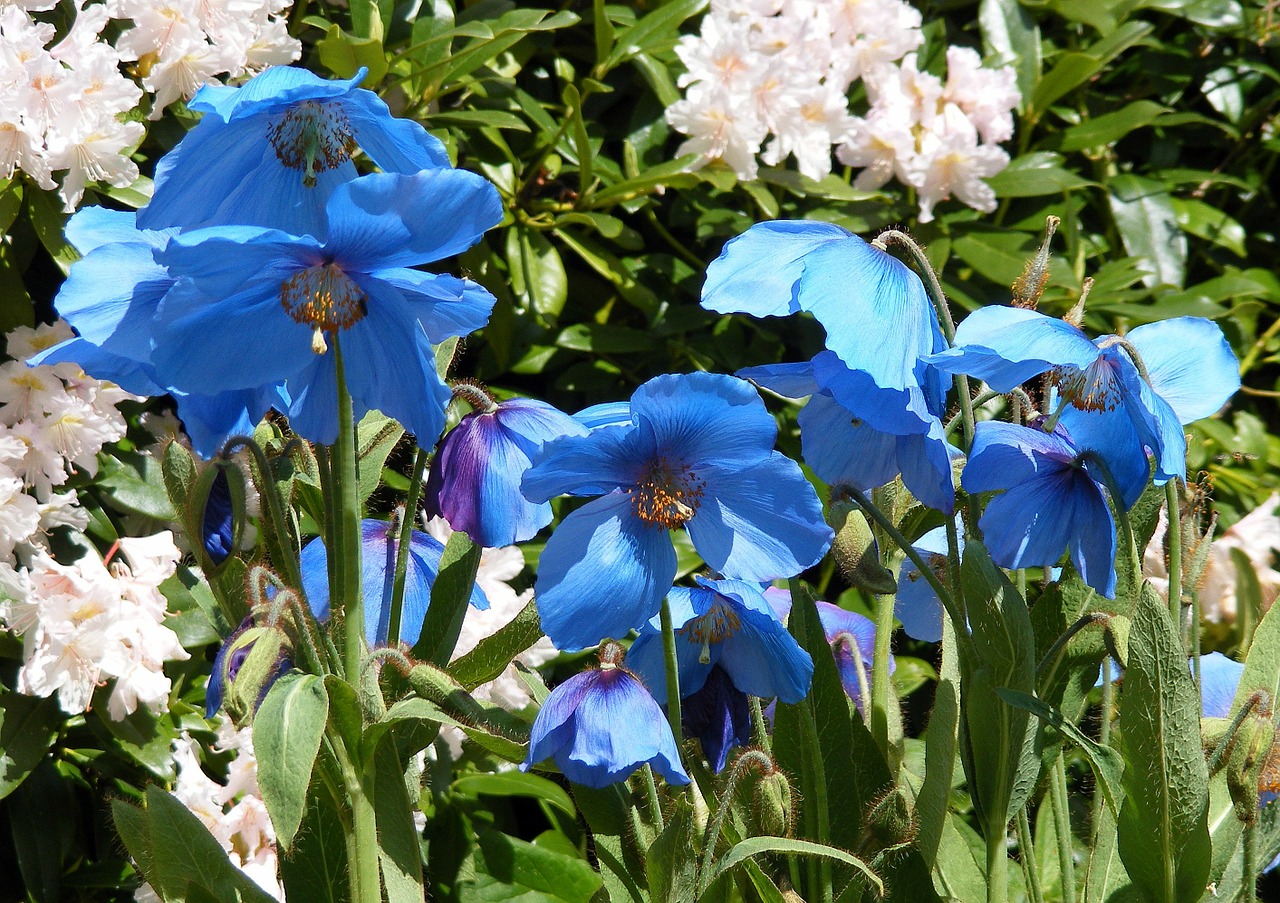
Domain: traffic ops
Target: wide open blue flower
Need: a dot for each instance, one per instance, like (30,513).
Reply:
(270,152)
(474,483)
(601,725)
(874,308)
(698,453)
(850,439)
(719,715)
(255,306)
(378,543)
(1052,502)
(726,623)
(1190,364)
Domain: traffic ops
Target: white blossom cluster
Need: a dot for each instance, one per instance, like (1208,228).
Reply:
(770,79)
(87,622)
(64,103)
(233,812)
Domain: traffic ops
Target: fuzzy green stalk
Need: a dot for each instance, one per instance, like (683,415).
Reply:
(817,801)
(270,491)
(759,727)
(1062,829)
(1174,537)
(1027,856)
(1249,873)
(362,838)
(880,673)
(347,528)
(997,865)
(744,763)
(407,517)
(651,793)
(672,672)
(1104,738)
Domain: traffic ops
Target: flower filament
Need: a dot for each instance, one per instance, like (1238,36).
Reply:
(667,495)
(325,298)
(716,626)
(313,137)
(1095,388)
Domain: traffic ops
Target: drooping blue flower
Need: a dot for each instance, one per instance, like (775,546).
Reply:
(697,453)
(1190,364)
(1052,501)
(255,306)
(378,543)
(719,715)
(218,520)
(875,310)
(601,725)
(849,438)
(231,657)
(474,482)
(917,606)
(1219,680)
(271,151)
(725,623)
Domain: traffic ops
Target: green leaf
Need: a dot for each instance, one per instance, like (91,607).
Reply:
(659,29)
(754,846)
(50,224)
(597,338)
(1032,175)
(377,436)
(28,727)
(450,595)
(398,850)
(43,821)
(315,867)
(1103,130)
(1107,763)
(1210,223)
(344,54)
(1105,880)
(934,796)
(516,783)
(508,869)
(1148,224)
(1262,664)
(287,730)
(491,655)
(1163,823)
(134,483)
(1010,34)
(537,272)
(672,858)
(1000,757)
(1075,68)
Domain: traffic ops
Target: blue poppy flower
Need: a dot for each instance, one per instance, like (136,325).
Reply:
(474,483)
(719,715)
(1052,502)
(271,151)
(725,623)
(601,725)
(1219,680)
(378,544)
(255,306)
(874,308)
(849,438)
(917,606)
(697,453)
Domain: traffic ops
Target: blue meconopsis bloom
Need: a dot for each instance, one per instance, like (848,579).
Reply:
(1191,368)
(378,541)
(1052,501)
(474,482)
(255,306)
(601,725)
(917,605)
(697,452)
(850,439)
(719,715)
(271,151)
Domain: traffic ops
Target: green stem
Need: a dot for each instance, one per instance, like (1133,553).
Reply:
(880,674)
(1174,538)
(759,727)
(1030,874)
(818,804)
(362,838)
(672,673)
(1062,829)
(651,791)
(274,511)
(347,505)
(405,541)
(749,759)
(997,865)
(1249,875)
(1104,737)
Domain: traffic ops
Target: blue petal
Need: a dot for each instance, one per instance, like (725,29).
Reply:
(758,272)
(842,454)
(111,297)
(704,418)
(917,606)
(843,627)
(603,573)
(609,413)
(444,306)
(762,658)
(1111,434)
(210,420)
(926,468)
(128,374)
(396,145)
(787,380)
(1219,680)
(92,227)
(610,457)
(719,715)
(272,89)
(759,522)
(646,657)
(1190,364)
(1006,346)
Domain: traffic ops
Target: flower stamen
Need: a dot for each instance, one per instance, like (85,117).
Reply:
(324,298)
(313,137)
(667,495)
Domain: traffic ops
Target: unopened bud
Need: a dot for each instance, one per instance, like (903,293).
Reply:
(774,810)
(1075,316)
(1028,288)
(891,819)
(856,551)
(249,663)
(218,502)
(1254,747)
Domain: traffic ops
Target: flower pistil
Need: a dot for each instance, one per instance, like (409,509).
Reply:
(313,137)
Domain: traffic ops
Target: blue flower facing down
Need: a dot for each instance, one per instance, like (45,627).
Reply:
(719,715)
(729,624)
(474,483)
(1052,501)
(601,725)
(378,559)
(697,453)
(271,151)
(256,306)
(917,606)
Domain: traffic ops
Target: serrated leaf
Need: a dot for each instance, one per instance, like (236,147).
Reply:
(287,730)
(1163,823)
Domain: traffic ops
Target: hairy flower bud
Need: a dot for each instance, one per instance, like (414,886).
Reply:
(856,551)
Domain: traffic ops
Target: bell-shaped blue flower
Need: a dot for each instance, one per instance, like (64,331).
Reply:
(719,715)
(255,306)
(601,725)
(474,483)
(378,544)
(697,453)
(271,151)
(725,623)
(1052,501)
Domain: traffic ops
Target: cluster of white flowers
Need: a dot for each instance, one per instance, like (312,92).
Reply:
(233,812)
(62,105)
(86,622)
(769,79)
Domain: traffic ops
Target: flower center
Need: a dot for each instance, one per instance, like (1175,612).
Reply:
(313,137)
(1095,388)
(716,626)
(667,495)
(324,298)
